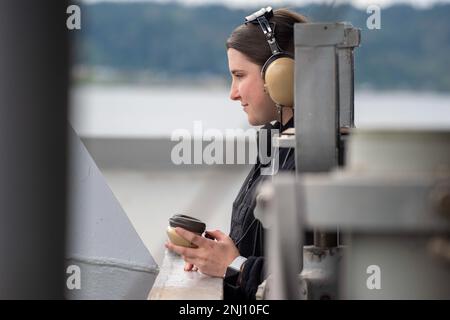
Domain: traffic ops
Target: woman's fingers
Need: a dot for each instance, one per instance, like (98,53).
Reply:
(188,254)
(218,235)
(211,259)
(192,260)
(191,237)
(182,251)
(188,266)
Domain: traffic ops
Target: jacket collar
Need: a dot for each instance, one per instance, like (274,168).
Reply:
(269,132)
(289,124)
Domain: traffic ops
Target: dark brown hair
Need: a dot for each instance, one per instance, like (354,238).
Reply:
(251,41)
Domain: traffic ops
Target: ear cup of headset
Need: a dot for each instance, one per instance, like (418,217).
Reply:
(278,76)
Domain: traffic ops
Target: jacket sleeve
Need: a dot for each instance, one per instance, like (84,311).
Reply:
(245,287)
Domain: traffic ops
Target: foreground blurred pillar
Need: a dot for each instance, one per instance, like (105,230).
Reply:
(33,108)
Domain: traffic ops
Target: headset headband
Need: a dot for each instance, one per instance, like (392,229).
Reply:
(262,18)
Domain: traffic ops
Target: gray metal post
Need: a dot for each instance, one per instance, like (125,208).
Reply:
(323,92)
(323,98)
(324,113)
(285,241)
(33,109)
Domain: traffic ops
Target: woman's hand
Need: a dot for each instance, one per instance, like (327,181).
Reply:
(211,257)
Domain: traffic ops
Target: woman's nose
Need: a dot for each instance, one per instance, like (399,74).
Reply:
(234,93)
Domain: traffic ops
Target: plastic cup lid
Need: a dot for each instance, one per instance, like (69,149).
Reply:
(188,223)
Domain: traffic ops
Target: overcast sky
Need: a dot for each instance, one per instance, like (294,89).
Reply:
(277,3)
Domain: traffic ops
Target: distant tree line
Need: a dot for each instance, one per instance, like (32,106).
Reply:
(410,51)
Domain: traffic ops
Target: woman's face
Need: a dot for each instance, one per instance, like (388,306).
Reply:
(248,87)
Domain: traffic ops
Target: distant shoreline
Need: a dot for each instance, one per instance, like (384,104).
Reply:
(217,83)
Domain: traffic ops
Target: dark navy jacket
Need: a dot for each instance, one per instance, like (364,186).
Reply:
(246,231)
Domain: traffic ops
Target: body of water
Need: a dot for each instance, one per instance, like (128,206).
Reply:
(120,111)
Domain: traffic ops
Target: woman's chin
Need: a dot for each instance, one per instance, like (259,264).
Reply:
(254,122)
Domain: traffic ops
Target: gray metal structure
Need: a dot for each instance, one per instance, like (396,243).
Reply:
(390,198)
(390,203)
(323,92)
(323,116)
(113,261)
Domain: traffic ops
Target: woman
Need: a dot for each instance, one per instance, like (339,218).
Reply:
(247,51)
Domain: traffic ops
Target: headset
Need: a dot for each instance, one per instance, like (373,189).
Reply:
(278,71)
